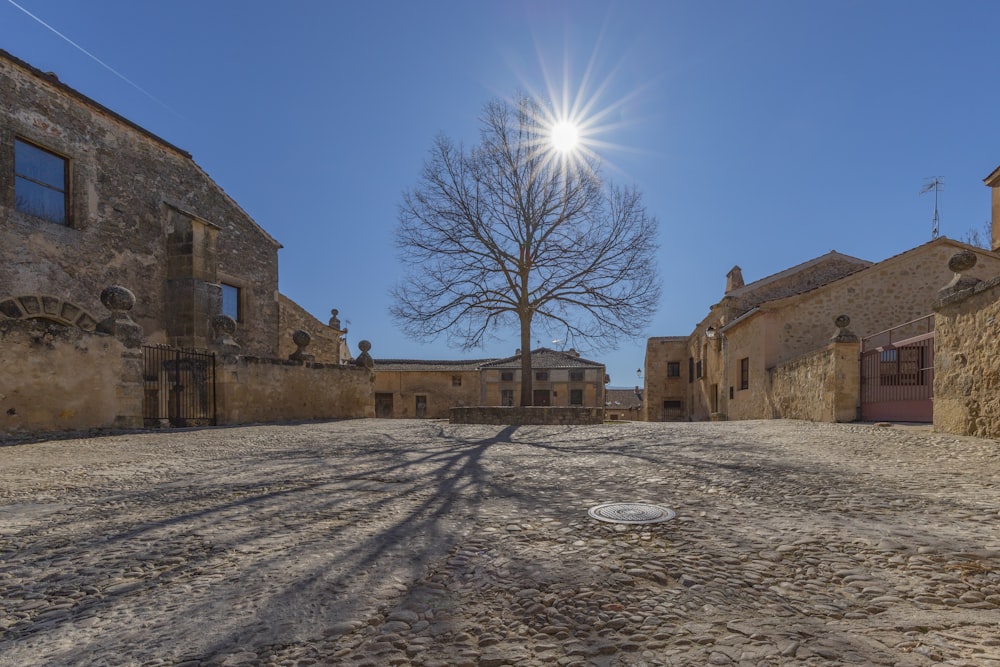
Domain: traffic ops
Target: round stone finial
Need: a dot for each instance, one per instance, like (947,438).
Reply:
(301,338)
(842,321)
(364,346)
(224,325)
(118,299)
(962,261)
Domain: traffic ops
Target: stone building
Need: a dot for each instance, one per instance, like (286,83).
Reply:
(418,388)
(772,348)
(89,199)
(411,388)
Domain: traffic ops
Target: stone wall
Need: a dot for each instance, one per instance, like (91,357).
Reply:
(519,416)
(662,390)
(141,213)
(822,386)
(326,345)
(251,389)
(967,360)
(61,378)
(441,390)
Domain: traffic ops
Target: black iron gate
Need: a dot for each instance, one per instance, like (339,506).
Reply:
(179,387)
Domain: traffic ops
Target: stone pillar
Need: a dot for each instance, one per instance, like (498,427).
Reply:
(131,385)
(845,392)
(193,294)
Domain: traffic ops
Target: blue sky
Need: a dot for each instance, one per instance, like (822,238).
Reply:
(760,133)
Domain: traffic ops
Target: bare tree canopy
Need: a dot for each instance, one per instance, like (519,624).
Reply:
(514,232)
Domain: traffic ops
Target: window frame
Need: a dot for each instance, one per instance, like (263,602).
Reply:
(239,300)
(541,376)
(744,373)
(65,192)
(456,380)
(574,394)
(507,398)
(673,369)
(506,376)
(577,375)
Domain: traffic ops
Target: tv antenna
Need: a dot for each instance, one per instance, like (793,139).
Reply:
(936,184)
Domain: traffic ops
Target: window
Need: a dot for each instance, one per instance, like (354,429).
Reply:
(576,396)
(745,373)
(456,380)
(231,302)
(697,369)
(542,376)
(690,369)
(576,376)
(673,369)
(507,376)
(507,397)
(40,183)
(672,405)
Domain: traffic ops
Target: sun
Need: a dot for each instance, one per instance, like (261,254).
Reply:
(565,136)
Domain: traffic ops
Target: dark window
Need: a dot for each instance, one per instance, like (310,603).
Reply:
(231,302)
(690,369)
(506,376)
(576,396)
(745,373)
(507,397)
(576,376)
(40,182)
(672,405)
(456,380)
(697,369)
(542,376)
(673,369)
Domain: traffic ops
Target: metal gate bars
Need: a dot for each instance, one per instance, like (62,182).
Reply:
(179,387)
(897,373)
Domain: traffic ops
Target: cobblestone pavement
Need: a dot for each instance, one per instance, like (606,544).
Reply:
(380,542)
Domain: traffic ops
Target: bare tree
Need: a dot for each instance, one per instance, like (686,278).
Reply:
(981,236)
(512,232)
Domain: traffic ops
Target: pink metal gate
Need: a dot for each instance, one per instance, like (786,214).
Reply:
(897,373)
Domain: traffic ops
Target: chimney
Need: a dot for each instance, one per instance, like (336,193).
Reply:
(734,279)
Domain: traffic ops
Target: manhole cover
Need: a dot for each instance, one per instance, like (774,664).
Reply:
(631,513)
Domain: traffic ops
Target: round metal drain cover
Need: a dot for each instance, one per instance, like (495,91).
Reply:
(631,513)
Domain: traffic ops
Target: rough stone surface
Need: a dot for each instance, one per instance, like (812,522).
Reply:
(403,542)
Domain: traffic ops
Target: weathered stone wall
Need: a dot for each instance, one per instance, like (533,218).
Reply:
(60,378)
(519,416)
(437,387)
(822,386)
(967,361)
(136,203)
(251,389)
(659,385)
(326,345)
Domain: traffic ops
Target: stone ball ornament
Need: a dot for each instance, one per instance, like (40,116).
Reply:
(962,261)
(118,299)
(224,325)
(301,338)
(842,321)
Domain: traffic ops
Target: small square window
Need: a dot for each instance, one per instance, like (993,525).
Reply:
(673,369)
(456,380)
(41,181)
(542,376)
(576,376)
(506,376)
(231,302)
(576,396)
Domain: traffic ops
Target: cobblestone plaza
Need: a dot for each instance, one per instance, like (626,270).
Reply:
(394,542)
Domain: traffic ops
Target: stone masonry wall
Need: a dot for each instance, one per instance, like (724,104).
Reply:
(59,378)
(436,386)
(325,346)
(523,416)
(821,386)
(967,362)
(253,390)
(129,191)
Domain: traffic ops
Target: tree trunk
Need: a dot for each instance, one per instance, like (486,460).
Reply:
(527,398)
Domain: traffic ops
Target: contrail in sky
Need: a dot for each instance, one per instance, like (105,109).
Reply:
(96,59)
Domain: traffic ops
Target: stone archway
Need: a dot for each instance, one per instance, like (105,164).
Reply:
(51,308)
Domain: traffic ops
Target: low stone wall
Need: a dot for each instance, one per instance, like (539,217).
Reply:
(967,361)
(250,389)
(60,378)
(822,386)
(519,416)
